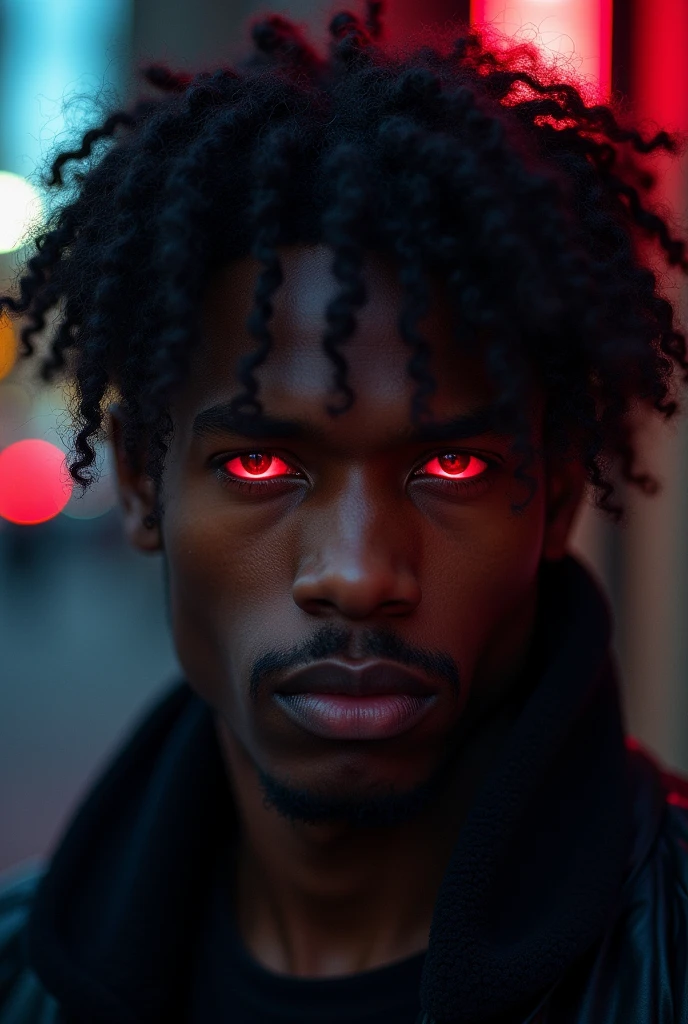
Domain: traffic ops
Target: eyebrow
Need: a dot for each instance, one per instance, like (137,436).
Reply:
(221,420)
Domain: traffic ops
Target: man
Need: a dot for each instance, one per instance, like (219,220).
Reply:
(394,784)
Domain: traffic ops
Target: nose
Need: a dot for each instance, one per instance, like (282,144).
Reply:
(361,560)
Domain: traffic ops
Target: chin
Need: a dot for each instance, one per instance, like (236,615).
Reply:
(369,805)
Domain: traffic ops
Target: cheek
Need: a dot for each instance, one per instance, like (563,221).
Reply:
(482,574)
(508,601)
(219,588)
(213,555)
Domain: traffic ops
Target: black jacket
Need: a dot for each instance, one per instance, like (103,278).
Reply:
(565,901)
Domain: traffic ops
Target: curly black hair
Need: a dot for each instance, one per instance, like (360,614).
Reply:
(457,157)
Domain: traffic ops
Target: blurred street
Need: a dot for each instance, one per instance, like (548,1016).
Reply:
(85,647)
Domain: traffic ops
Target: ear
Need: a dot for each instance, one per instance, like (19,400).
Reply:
(136,490)
(566,482)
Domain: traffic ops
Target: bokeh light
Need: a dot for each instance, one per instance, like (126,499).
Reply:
(575,34)
(15,409)
(34,482)
(21,210)
(49,418)
(8,346)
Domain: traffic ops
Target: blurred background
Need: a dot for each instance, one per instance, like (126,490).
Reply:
(84,641)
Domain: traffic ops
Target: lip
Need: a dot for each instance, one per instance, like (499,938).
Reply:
(338,700)
(335,716)
(371,678)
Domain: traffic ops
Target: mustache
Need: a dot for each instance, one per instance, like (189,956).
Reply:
(332,641)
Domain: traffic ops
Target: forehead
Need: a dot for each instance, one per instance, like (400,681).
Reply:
(297,377)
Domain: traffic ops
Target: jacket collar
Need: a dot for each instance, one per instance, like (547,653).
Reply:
(536,875)
(538,869)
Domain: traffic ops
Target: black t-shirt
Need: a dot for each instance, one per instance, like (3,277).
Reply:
(228,984)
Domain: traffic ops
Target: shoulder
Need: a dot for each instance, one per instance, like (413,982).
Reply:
(674,831)
(23,1000)
(671,841)
(664,796)
(638,969)
(655,920)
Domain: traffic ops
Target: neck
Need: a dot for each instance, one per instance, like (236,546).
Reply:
(331,899)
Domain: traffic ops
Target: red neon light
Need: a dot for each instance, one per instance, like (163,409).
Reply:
(660,67)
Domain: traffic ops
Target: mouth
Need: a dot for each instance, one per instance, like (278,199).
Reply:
(334,700)
(338,717)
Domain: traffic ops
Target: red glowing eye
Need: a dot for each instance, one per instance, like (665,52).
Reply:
(458,465)
(257,465)
(453,463)
(262,465)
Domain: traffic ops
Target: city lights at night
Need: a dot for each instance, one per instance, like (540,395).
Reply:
(34,482)
(21,210)
(577,34)
(8,346)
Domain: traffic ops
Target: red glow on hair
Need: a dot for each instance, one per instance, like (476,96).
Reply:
(34,483)
(578,32)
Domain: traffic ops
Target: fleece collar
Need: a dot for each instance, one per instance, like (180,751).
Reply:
(535,877)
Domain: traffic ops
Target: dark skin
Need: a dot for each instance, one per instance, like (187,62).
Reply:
(353,538)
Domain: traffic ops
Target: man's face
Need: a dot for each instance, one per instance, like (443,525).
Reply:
(362,544)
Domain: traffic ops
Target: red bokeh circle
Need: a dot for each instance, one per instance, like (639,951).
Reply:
(34,482)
